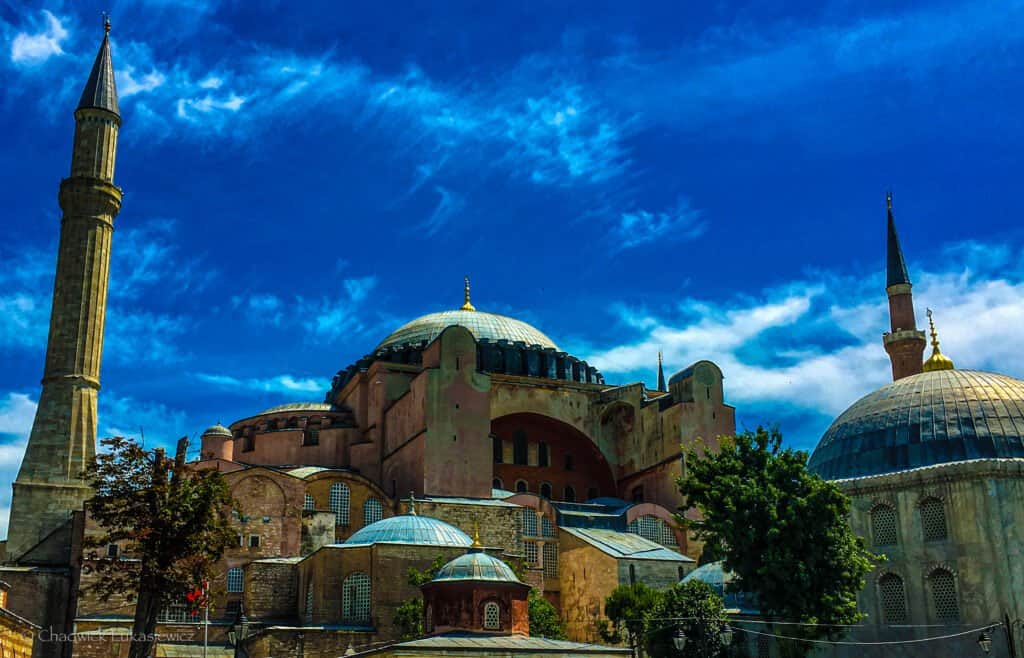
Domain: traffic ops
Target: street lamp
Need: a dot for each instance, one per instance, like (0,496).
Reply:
(726,636)
(985,642)
(238,631)
(679,639)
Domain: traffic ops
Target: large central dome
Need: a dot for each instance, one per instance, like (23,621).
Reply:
(925,419)
(481,325)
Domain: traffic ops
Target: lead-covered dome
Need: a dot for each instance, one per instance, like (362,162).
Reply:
(482,325)
(925,419)
(410,529)
(476,565)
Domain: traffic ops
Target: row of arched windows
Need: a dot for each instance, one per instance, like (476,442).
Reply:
(941,583)
(546,490)
(885,524)
(339,499)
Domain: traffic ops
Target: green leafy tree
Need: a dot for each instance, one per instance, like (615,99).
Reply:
(409,615)
(628,609)
(544,619)
(703,612)
(781,529)
(176,519)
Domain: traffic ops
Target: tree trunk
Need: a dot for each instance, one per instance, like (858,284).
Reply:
(147,607)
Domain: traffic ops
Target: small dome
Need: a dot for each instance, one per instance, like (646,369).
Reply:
(482,325)
(410,529)
(930,418)
(217,430)
(476,565)
(715,576)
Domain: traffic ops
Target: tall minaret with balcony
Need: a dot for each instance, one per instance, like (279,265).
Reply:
(63,438)
(904,343)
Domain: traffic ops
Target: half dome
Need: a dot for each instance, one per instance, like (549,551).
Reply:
(922,420)
(410,529)
(482,325)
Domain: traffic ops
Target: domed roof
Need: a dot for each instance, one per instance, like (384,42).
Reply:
(476,565)
(298,406)
(930,418)
(481,325)
(410,529)
(218,430)
(715,576)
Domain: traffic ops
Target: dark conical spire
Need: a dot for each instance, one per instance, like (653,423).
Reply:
(896,268)
(661,374)
(100,91)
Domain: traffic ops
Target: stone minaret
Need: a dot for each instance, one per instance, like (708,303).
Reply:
(63,439)
(904,343)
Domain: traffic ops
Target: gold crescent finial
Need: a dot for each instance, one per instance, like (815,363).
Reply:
(106,23)
(938,360)
(467,306)
(476,535)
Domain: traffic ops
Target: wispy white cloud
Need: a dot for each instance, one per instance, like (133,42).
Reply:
(37,47)
(814,345)
(276,384)
(449,204)
(678,224)
(17,411)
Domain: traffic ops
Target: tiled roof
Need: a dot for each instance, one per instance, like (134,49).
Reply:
(625,545)
(100,90)
(925,419)
(410,529)
(476,565)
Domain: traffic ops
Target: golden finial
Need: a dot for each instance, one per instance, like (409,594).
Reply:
(106,23)
(938,360)
(412,503)
(476,536)
(467,306)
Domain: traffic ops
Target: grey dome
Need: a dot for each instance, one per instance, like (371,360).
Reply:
(482,325)
(410,529)
(217,430)
(925,419)
(476,565)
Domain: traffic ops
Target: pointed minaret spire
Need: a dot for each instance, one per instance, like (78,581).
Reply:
(904,343)
(100,92)
(661,374)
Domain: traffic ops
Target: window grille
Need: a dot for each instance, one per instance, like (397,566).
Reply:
(177,613)
(339,499)
(530,553)
(547,528)
(947,607)
(883,526)
(254,541)
(309,604)
(373,511)
(933,519)
(655,529)
(355,599)
(308,503)
(550,560)
(764,647)
(492,616)
(528,519)
(894,602)
(311,437)
(235,579)
(112,550)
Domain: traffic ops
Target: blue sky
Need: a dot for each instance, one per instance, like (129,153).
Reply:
(300,179)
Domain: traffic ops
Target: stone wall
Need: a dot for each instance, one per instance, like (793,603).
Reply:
(271,590)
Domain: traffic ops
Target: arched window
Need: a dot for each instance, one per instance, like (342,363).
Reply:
(308,503)
(884,530)
(933,519)
(944,597)
(893,599)
(492,616)
(542,454)
(236,580)
(651,527)
(550,560)
(373,511)
(355,599)
(521,486)
(545,490)
(496,484)
(570,495)
(339,499)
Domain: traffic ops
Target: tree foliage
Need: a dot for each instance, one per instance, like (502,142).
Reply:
(409,615)
(782,530)
(704,613)
(544,619)
(176,520)
(629,609)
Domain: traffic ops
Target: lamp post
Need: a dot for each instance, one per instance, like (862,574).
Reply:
(237,633)
(679,639)
(985,642)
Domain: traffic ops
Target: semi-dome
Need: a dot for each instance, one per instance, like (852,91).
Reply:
(410,529)
(925,419)
(476,565)
(482,325)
